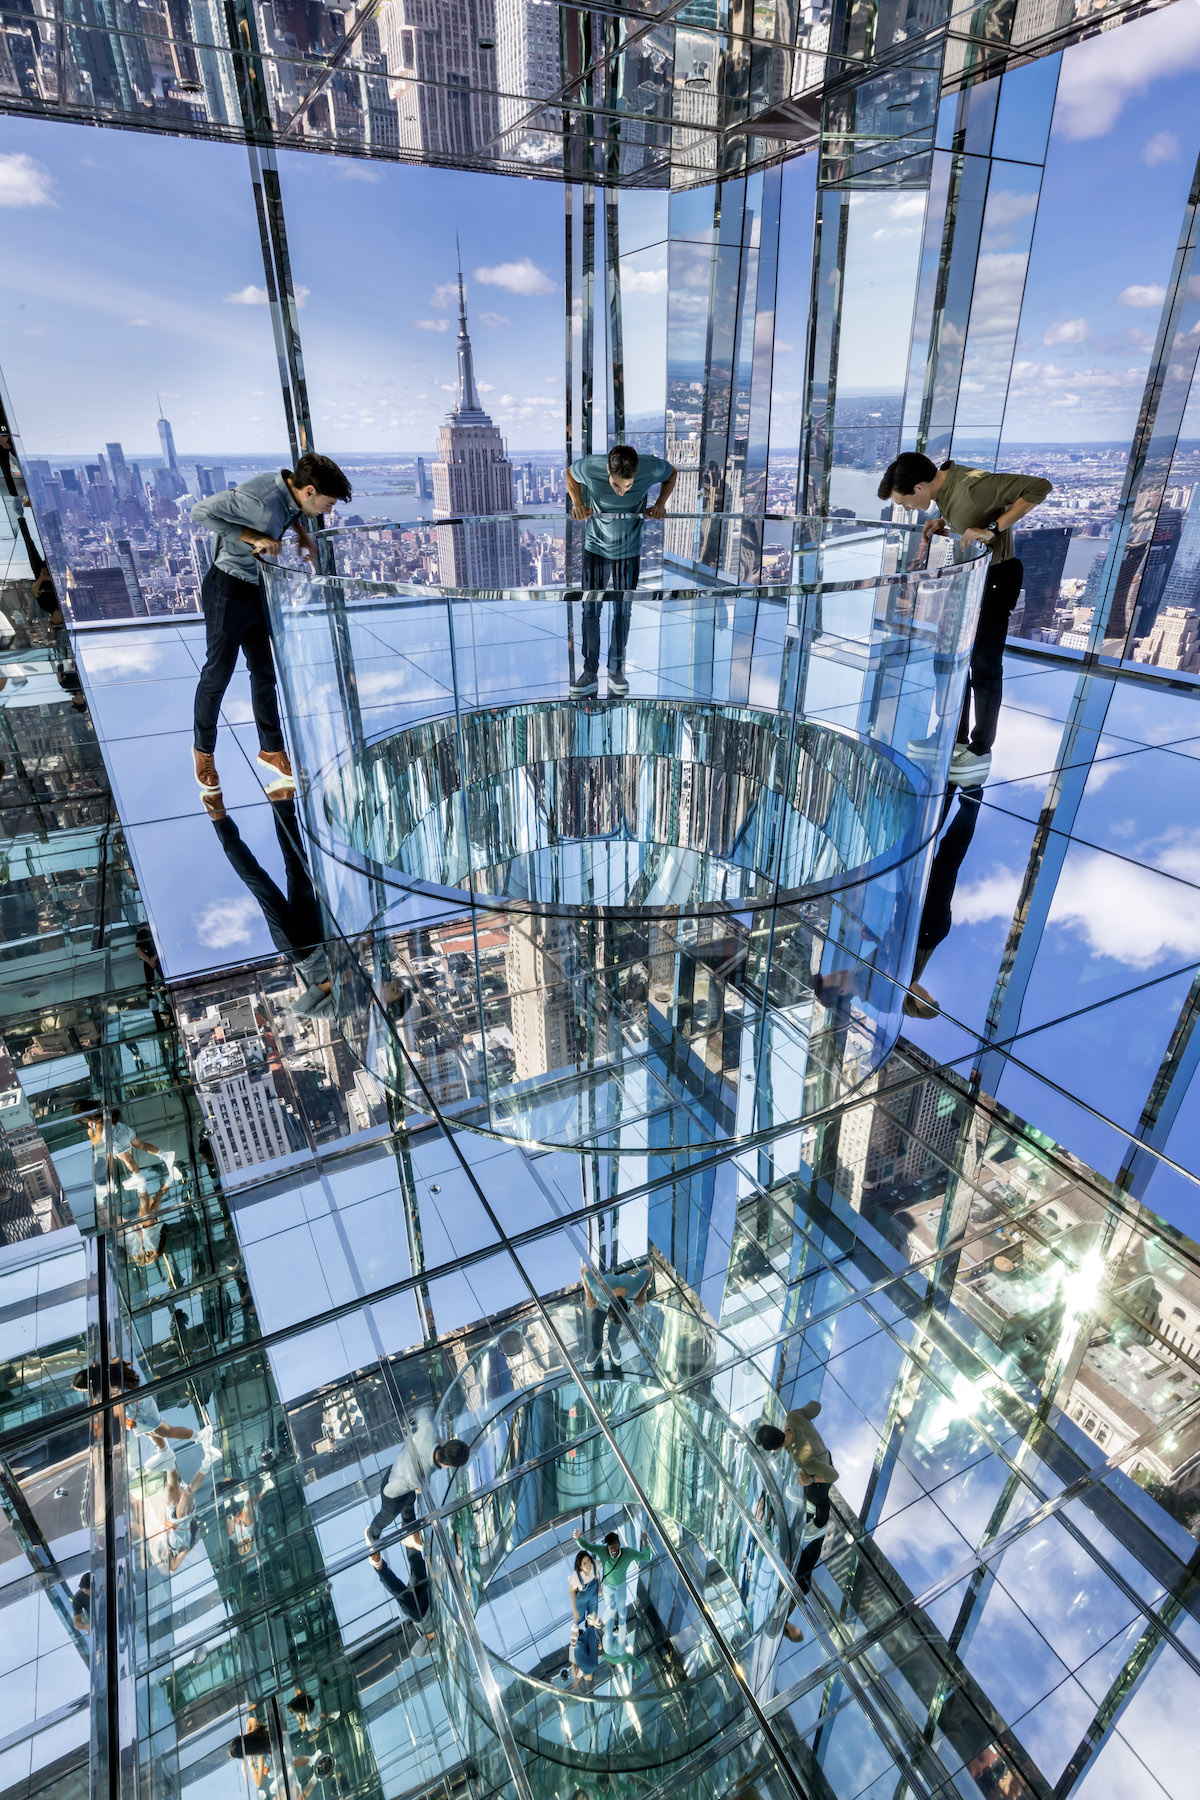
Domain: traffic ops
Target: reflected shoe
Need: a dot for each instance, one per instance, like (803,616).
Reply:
(924,750)
(162,1459)
(968,768)
(412,1541)
(588,684)
(204,1437)
(618,684)
(920,1005)
(214,806)
(282,784)
(137,1182)
(323,1765)
(793,1634)
(207,779)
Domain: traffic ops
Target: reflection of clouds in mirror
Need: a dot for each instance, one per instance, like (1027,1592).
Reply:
(1099,76)
(1122,910)
(226,924)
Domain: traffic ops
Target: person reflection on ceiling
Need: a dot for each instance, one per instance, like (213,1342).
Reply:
(293,919)
(936,917)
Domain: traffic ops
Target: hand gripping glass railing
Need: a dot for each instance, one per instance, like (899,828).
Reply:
(675,760)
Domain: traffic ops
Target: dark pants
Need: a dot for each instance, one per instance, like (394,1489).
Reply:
(597,1318)
(817,1495)
(599,573)
(235,618)
(986,683)
(404,1505)
(936,917)
(293,919)
(412,1595)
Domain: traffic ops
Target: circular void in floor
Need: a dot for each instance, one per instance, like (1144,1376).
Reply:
(637,805)
(668,1688)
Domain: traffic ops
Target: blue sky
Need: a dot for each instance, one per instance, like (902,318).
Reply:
(132,266)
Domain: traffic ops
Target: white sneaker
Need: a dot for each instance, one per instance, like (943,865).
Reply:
(162,1459)
(204,1437)
(588,683)
(969,769)
(137,1183)
(923,750)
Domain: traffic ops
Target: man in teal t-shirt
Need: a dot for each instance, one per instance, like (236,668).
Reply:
(615,1562)
(611,492)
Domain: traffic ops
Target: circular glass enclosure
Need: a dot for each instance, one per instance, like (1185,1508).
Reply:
(649,865)
(636,804)
(660,1684)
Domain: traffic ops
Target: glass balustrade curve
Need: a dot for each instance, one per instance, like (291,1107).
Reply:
(540,1466)
(685,826)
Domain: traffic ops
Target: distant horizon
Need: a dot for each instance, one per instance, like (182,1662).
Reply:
(384,456)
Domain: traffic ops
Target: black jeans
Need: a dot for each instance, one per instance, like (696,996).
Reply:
(413,1594)
(817,1495)
(235,618)
(986,683)
(404,1505)
(293,919)
(600,573)
(936,916)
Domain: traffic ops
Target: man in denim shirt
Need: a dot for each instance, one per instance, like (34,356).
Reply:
(249,522)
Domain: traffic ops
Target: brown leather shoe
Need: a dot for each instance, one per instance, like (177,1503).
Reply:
(214,806)
(793,1634)
(283,783)
(207,779)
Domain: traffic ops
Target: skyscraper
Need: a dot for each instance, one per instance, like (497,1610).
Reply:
(473,475)
(1183,583)
(171,482)
(1043,555)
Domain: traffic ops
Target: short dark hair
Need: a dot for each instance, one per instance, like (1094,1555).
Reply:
(453,1454)
(623,461)
(769,1437)
(902,476)
(610,1537)
(322,473)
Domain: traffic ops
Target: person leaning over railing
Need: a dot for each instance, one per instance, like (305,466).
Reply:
(611,493)
(982,507)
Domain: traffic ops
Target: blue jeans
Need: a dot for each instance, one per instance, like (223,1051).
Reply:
(600,573)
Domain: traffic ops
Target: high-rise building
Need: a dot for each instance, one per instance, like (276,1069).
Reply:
(1182,586)
(1156,568)
(423,489)
(1043,556)
(1173,641)
(98,593)
(473,476)
(169,483)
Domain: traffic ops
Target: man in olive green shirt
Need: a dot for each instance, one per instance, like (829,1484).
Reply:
(979,507)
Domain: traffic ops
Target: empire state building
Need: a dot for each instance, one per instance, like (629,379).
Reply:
(473,476)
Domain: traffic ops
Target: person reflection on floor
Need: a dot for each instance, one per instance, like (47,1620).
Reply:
(253,1747)
(615,1563)
(418,1455)
(583,1585)
(936,917)
(294,919)
(145,1236)
(411,1596)
(605,1309)
(814,1466)
(121,1153)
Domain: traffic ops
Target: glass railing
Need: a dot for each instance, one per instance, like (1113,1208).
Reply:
(511,765)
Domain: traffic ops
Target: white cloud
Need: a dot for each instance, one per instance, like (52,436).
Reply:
(492,320)
(137,321)
(1162,147)
(347,169)
(445,295)
(522,277)
(227,923)
(1100,75)
(485,387)
(258,296)
(431,324)
(1067,331)
(907,206)
(992,896)
(644,281)
(24,182)
(782,349)
(1142,294)
(1130,913)
(1005,208)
